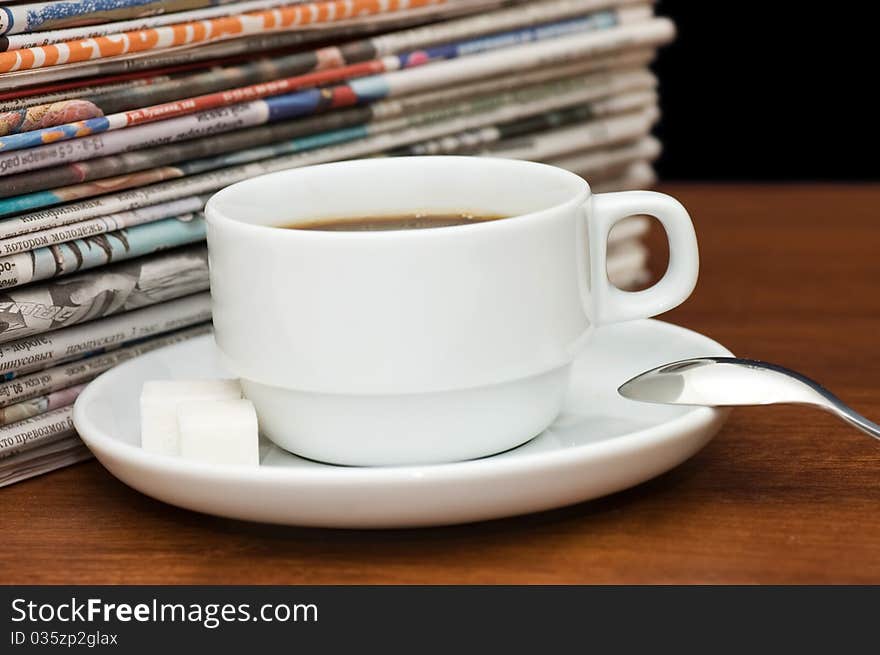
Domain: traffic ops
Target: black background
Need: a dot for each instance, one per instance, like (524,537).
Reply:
(509,620)
(770,91)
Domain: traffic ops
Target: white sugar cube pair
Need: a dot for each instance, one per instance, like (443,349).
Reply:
(204,420)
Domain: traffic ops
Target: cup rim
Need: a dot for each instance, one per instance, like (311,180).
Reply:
(215,215)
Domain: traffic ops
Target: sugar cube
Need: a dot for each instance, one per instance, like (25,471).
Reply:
(159,401)
(219,432)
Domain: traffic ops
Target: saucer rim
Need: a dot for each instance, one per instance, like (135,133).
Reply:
(104,445)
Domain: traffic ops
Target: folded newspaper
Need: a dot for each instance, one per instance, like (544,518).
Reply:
(119,119)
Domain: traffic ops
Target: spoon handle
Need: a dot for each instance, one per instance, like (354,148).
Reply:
(830,402)
(836,406)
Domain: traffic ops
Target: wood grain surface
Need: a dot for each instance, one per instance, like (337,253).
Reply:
(782,495)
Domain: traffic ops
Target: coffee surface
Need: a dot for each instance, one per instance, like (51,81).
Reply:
(414,221)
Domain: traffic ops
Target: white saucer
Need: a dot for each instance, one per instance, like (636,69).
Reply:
(602,443)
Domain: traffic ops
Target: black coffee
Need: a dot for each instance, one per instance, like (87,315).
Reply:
(385,223)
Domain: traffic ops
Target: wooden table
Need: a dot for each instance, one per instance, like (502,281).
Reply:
(782,495)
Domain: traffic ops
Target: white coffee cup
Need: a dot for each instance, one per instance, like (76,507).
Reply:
(427,345)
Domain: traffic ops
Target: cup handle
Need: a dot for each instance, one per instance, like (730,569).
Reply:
(612,305)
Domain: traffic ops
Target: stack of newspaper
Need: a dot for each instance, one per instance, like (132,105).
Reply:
(119,118)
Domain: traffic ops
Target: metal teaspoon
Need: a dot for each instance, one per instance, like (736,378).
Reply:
(729,381)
